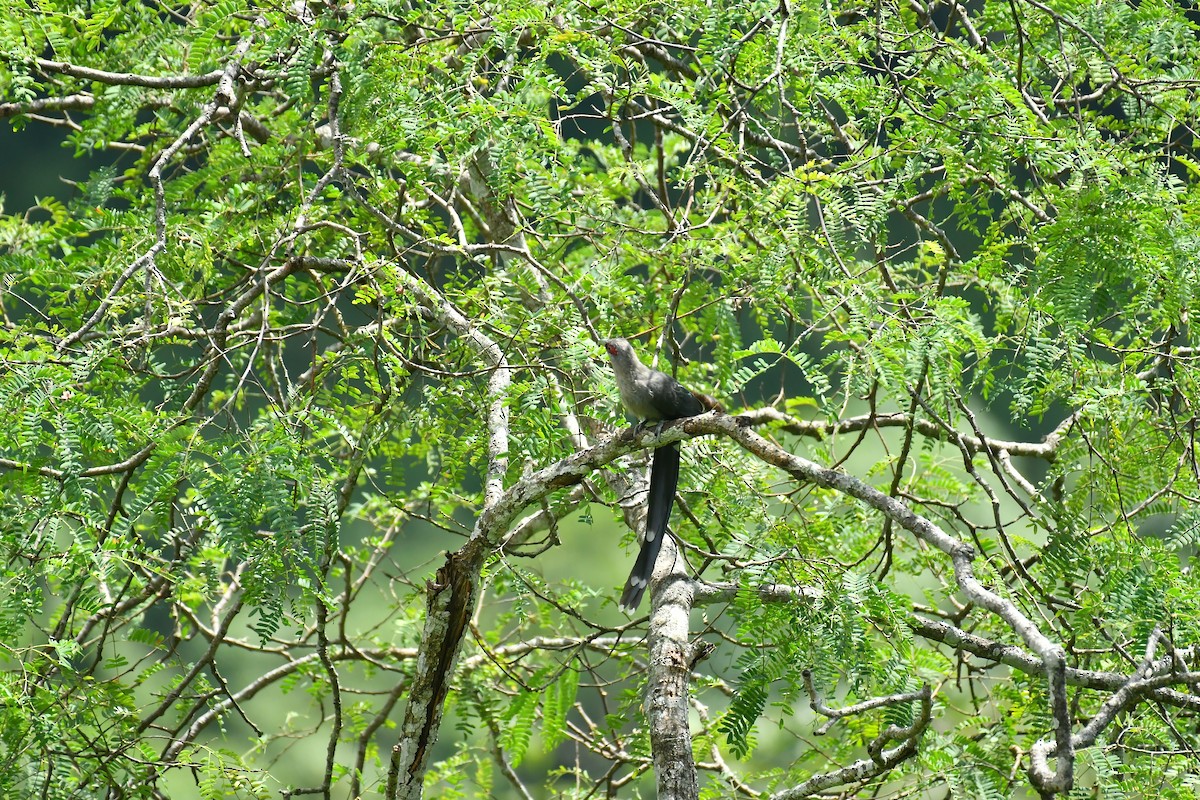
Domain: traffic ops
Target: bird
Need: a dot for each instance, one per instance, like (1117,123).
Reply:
(653,396)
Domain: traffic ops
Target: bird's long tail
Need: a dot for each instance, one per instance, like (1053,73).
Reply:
(664,478)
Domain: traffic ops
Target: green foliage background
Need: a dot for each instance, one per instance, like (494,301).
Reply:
(239,430)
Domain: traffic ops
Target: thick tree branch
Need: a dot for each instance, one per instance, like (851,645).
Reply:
(73,102)
(130,78)
(1044,449)
(671,657)
(452,594)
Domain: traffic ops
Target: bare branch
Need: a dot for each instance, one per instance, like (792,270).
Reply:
(130,78)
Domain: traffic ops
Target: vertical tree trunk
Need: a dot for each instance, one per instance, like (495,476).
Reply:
(667,686)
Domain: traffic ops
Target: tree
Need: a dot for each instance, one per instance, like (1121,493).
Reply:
(313,476)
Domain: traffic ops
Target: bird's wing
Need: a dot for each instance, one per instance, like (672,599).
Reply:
(671,399)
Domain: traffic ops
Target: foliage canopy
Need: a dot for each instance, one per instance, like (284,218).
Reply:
(330,305)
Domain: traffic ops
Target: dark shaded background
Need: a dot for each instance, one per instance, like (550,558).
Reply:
(35,163)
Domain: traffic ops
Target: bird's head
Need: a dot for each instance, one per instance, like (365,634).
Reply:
(616,347)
